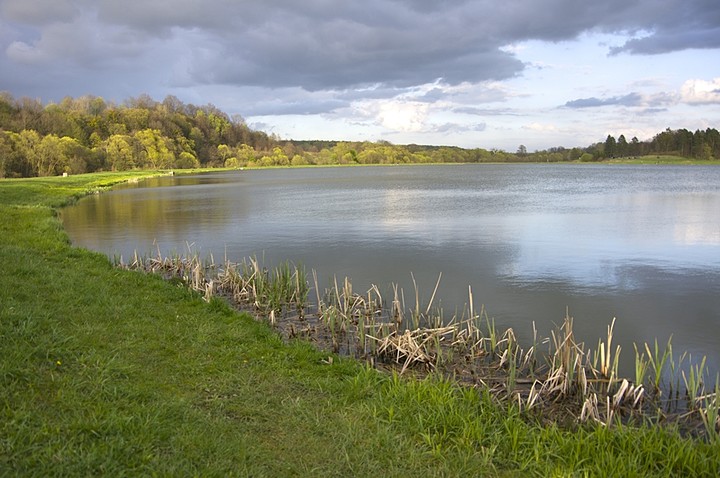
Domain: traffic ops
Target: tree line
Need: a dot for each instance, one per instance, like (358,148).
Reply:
(89,134)
(704,145)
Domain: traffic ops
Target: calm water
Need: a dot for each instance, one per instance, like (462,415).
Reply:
(640,243)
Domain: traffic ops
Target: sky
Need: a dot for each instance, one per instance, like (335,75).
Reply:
(469,73)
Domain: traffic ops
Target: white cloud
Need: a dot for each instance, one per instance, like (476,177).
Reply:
(700,92)
(405,116)
(540,127)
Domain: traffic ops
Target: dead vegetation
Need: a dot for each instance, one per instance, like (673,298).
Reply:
(557,378)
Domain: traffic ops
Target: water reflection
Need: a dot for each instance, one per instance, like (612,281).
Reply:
(137,216)
(638,243)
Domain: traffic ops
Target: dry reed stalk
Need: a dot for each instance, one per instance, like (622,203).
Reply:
(209,291)
(432,297)
(608,361)
(396,312)
(533,396)
(317,293)
(411,346)
(566,363)
(590,409)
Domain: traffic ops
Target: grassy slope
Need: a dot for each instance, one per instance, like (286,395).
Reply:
(112,372)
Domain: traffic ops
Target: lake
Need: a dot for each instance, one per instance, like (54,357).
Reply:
(639,243)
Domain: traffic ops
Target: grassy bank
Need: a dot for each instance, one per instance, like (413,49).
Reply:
(662,159)
(107,371)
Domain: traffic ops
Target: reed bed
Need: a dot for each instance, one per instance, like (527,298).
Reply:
(556,378)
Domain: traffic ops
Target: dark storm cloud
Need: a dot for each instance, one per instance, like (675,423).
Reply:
(632,99)
(376,45)
(38,12)
(674,26)
(670,41)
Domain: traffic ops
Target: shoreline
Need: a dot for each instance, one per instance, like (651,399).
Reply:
(555,377)
(116,372)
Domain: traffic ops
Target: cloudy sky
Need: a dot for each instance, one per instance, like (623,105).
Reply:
(472,73)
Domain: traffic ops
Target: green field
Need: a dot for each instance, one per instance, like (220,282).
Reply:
(661,159)
(118,373)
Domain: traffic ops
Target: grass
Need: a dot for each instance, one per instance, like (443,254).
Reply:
(113,372)
(662,159)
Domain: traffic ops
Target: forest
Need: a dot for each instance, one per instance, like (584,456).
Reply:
(88,134)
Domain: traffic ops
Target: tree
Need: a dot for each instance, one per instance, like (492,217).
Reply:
(29,112)
(232,162)
(49,157)
(155,150)
(371,155)
(298,160)
(135,119)
(522,150)
(663,142)
(712,139)
(684,142)
(621,149)
(279,158)
(76,156)
(698,145)
(609,149)
(5,152)
(120,152)
(173,105)
(26,144)
(186,160)
(16,163)
(706,152)
(244,154)
(344,153)
(224,152)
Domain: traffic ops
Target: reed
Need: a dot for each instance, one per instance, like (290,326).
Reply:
(710,412)
(471,349)
(641,365)
(530,358)
(492,336)
(694,383)
(567,359)
(607,360)
(511,351)
(657,362)
(397,308)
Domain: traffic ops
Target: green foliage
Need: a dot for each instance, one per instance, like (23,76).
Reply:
(155,150)
(95,135)
(702,145)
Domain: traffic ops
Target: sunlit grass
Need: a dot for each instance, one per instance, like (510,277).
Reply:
(661,159)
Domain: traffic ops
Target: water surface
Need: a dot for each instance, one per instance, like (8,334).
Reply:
(639,243)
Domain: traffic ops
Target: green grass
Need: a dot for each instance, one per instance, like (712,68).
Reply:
(662,159)
(111,372)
